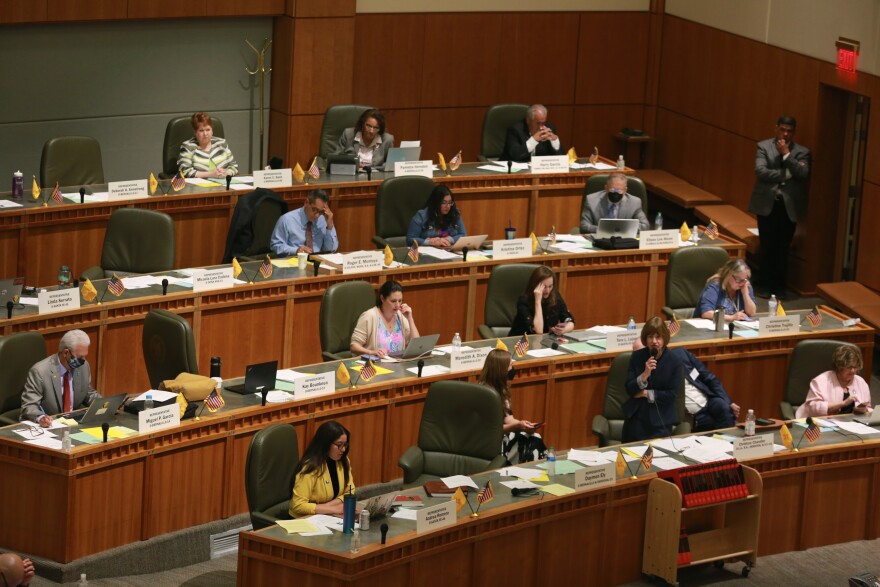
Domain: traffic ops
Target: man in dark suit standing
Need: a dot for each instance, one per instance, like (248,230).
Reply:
(779,198)
(530,137)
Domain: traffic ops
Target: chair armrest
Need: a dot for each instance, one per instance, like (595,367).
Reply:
(787,410)
(378,241)
(683,428)
(496,463)
(602,429)
(261,520)
(340,356)
(413,463)
(92,273)
(667,311)
(485,331)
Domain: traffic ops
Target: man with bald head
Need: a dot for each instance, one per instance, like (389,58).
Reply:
(530,137)
(14,571)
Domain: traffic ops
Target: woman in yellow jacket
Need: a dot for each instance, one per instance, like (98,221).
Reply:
(323,475)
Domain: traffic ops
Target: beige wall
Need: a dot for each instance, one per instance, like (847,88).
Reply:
(428,6)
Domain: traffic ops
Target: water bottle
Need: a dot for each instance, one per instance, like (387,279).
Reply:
(355,542)
(631,325)
(215,371)
(772,305)
(64,277)
(17,184)
(456,343)
(551,462)
(65,439)
(148,403)
(750,423)
(620,163)
(658,221)
(83,582)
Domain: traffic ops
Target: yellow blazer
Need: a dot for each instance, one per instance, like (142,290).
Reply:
(315,487)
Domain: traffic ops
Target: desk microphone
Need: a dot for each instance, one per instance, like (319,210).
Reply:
(369,171)
(228,181)
(164,286)
(522,491)
(509,166)
(105,427)
(421,365)
(82,195)
(384,529)
(9,306)
(464,252)
(317,265)
(730,328)
(263,393)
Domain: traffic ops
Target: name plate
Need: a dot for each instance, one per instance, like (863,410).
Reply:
(750,447)
(159,418)
(314,385)
(594,477)
(516,248)
(621,341)
(362,261)
(435,517)
(127,190)
(468,360)
(208,279)
(58,301)
(273,178)
(658,239)
(418,168)
(775,325)
(550,164)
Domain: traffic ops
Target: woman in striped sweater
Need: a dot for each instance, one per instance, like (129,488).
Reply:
(205,155)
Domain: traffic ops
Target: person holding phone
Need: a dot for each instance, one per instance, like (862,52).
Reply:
(540,308)
(841,390)
(387,328)
(323,475)
(308,229)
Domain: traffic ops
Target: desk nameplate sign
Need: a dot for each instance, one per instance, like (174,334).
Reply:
(159,418)
(595,477)
(658,239)
(58,301)
(550,164)
(621,341)
(776,325)
(416,168)
(435,517)
(273,178)
(127,190)
(516,248)
(468,360)
(362,262)
(752,447)
(208,279)
(314,385)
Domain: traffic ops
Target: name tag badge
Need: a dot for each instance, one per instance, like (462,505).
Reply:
(695,374)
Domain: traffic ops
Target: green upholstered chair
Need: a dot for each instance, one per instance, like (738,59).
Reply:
(506,284)
(809,358)
(499,117)
(137,241)
(686,275)
(397,201)
(268,475)
(337,118)
(253,221)
(460,433)
(169,346)
(18,353)
(71,161)
(634,186)
(341,306)
(180,129)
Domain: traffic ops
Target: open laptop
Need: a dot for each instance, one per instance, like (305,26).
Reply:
(585,335)
(379,505)
(396,154)
(622,227)
(100,410)
(872,420)
(471,242)
(417,347)
(260,375)
(10,290)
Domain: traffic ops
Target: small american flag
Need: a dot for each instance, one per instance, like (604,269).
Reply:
(522,346)
(486,494)
(266,268)
(56,195)
(712,230)
(814,316)
(413,252)
(214,401)
(673,326)
(553,235)
(368,371)
(648,458)
(455,162)
(813,433)
(313,169)
(116,287)
(178,182)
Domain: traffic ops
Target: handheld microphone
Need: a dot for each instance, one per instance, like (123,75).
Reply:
(369,171)
(421,365)
(384,529)
(164,286)
(730,328)
(653,352)
(464,252)
(82,195)
(317,265)
(228,181)
(9,306)
(105,427)
(509,166)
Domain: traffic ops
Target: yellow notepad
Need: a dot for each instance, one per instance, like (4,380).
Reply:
(557,489)
(297,526)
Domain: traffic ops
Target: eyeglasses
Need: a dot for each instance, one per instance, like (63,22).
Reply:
(371,127)
(341,445)
(34,431)
(315,209)
(739,281)
(447,202)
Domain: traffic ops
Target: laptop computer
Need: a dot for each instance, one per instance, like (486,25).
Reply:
(417,347)
(872,420)
(100,410)
(10,290)
(256,377)
(471,242)
(379,505)
(396,154)
(622,227)
(585,335)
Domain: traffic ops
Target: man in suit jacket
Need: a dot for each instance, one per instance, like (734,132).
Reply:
(779,198)
(59,383)
(705,397)
(613,202)
(530,137)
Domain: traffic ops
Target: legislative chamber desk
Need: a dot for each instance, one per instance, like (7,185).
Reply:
(68,505)
(823,494)
(36,240)
(277,319)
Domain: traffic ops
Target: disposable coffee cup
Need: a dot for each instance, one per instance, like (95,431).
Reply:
(510,233)
(303,259)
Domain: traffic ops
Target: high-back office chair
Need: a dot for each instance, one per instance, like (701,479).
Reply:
(506,284)
(341,306)
(252,224)
(634,187)
(337,118)
(499,117)
(71,161)
(180,129)
(137,241)
(460,433)
(18,353)
(397,201)
(268,474)
(169,346)
(809,358)
(686,275)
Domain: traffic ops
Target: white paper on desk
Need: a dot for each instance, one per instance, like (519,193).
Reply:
(605,329)
(857,427)
(667,463)
(544,353)
(327,521)
(746,333)
(9,204)
(639,449)
(753,324)
(448,348)
(406,514)
(290,374)
(27,435)
(158,395)
(429,370)
(519,484)
(335,258)
(53,426)
(276,396)
(675,446)
(90,198)
(573,248)
(45,441)
(714,444)
(521,472)
(142,281)
(597,165)
(592,457)
(701,323)
(245,187)
(437,253)
(459,481)
(571,238)
(701,455)
(322,531)
(180,282)
(29,301)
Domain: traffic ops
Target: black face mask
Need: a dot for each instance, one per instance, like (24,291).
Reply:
(511,373)
(74,362)
(614,197)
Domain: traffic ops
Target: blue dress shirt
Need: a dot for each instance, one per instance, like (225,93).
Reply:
(290,234)
(713,297)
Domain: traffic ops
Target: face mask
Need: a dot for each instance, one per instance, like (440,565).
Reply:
(614,197)
(74,362)
(511,373)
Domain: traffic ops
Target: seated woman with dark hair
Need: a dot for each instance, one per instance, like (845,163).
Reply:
(205,155)
(729,289)
(439,223)
(367,140)
(540,308)
(387,328)
(323,475)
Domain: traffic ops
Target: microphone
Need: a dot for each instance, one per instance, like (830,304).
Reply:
(509,166)
(384,529)
(369,171)
(554,346)
(653,352)
(421,365)
(264,392)
(522,491)
(9,306)
(464,252)
(75,283)
(317,265)
(105,427)
(82,195)
(164,286)
(730,328)
(228,180)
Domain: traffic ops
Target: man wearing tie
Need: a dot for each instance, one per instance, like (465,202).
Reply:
(530,137)
(779,199)
(306,230)
(613,202)
(59,383)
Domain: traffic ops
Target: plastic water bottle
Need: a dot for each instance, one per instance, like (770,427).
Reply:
(621,164)
(772,305)
(551,462)
(65,439)
(631,325)
(148,403)
(64,277)
(355,541)
(658,221)
(750,423)
(456,343)
(83,582)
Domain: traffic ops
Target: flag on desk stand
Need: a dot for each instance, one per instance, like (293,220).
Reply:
(342,374)
(459,499)
(780,311)
(785,436)
(368,371)
(572,156)
(88,291)
(441,162)
(181,401)
(486,494)
(812,433)
(455,162)
(154,183)
(685,232)
(413,252)
(711,230)
(389,256)
(535,243)
(814,316)
(298,174)
(522,346)
(499,344)
(178,182)
(236,268)
(313,169)
(647,458)
(266,267)
(553,235)
(35,189)
(594,158)
(116,287)
(673,326)
(620,465)
(214,401)
(56,195)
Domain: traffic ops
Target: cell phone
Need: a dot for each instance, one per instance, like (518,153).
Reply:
(763,422)
(539,425)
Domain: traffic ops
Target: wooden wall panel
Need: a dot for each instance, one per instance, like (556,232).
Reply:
(848,519)
(86,10)
(431,310)
(449,129)
(323,59)
(165,8)
(624,293)
(405,125)
(322,8)
(304,134)
(192,253)
(782,499)
(12,11)
(523,549)
(392,76)
(868,267)
(281,89)
(52,242)
(365,426)
(241,337)
(9,257)
(612,58)
(402,433)
(249,7)
(306,340)
(573,404)
(122,347)
(595,126)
